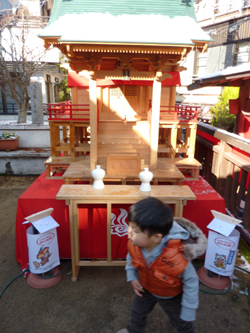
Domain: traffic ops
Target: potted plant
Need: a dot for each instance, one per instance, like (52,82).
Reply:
(9,141)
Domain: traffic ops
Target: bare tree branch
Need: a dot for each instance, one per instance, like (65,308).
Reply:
(21,56)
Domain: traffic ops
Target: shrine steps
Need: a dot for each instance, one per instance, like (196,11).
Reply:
(110,149)
(123,137)
(103,162)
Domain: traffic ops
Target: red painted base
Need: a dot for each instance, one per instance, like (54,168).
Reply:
(35,281)
(215,282)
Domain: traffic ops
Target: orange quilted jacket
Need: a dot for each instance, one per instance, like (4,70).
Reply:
(161,277)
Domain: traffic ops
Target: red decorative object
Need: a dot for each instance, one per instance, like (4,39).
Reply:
(75,80)
(35,281)
(215,281)
(9,144)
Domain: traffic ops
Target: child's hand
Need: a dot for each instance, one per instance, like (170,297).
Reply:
(137,287)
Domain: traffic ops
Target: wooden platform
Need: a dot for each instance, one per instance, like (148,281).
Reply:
(59,164)
(81,172)
(188,166)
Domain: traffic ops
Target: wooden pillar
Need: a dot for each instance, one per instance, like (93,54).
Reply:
(154,131)
(172,99)
(99,97)
(74,95)
(240,120)
(105,100)
(141,100)
(193,131)
(93,123)
(172,95)
(221,167)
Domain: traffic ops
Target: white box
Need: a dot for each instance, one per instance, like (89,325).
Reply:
(42,247)
(223,240)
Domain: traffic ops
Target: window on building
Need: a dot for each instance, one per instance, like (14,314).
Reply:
(56,93)
(201,64)
(246,3)
(224,6)
(2,102)
(241,54)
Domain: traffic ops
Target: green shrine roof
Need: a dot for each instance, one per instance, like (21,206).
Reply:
(169,8)
(153,22)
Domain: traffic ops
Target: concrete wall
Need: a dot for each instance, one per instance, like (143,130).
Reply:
(30,136)
(34,149)
(21,162)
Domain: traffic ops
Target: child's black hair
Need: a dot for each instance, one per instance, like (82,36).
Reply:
(152,216)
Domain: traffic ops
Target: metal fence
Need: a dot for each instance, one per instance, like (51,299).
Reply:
(8,108)
(11,109)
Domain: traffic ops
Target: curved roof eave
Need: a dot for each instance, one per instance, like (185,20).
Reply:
(148,29)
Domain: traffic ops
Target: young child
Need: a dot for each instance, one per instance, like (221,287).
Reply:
(155,252)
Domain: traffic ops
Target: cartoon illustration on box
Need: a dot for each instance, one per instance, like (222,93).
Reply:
(220,261)
(223,240)
(44,255)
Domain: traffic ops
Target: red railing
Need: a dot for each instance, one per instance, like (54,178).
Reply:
(67,111)
(182,113)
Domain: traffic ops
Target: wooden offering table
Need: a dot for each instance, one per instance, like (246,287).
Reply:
(80,172)
(54,164)
(113,194)
(189,166)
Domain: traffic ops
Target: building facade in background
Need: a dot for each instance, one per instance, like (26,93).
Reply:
(228,24)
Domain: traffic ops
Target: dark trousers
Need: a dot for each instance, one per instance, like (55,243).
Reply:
(142,306)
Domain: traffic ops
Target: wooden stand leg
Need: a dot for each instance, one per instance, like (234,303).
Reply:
(109,258)
(47,169)
(72,140)
(74,240)
(196,173)
(179,208)
(173,141)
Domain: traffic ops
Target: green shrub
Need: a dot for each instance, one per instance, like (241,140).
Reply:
(64,93)
(220,111)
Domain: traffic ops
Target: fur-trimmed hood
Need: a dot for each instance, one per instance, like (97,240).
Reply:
(193,239)
(196,244)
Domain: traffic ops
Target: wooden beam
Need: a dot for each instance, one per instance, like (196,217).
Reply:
(222,135)
(93,123)
(154,131)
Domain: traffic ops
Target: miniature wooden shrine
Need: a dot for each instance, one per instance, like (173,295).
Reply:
(126,100)
(124,59)
(124,127)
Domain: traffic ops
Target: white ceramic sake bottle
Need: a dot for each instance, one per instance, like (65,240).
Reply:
(145,176)
(98,175)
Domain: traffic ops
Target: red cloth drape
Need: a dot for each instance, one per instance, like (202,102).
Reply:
(75,80)
(41,195)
